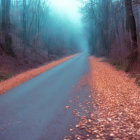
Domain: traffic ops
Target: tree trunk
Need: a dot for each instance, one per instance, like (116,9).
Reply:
(106,5)
(24,20)
(7,40)
(131,27)
(24,26)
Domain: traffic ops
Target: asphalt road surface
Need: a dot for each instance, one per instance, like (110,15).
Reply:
(35,110)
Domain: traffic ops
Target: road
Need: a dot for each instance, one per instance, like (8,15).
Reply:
(35,110)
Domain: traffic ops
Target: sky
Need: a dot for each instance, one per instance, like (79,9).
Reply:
(68,8)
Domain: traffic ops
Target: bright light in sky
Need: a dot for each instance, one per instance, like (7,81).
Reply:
(69,8)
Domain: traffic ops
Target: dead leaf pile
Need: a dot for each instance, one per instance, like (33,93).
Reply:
(117,99)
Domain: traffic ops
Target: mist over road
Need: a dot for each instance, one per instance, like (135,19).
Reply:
(35,110)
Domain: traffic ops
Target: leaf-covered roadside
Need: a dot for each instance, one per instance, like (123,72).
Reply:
(118,100)
(115,100)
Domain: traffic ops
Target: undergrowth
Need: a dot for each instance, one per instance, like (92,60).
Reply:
(5,76)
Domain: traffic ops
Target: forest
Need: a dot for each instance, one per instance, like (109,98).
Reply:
(69,69)
(113,28)
(33,33)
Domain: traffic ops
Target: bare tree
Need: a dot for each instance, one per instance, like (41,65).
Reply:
(24,19)
(7,39)
(131,27)
(24,25)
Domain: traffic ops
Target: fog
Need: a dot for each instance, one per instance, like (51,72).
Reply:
(56,28)
(36,32)
(67,15)
(47,28)
(68,8)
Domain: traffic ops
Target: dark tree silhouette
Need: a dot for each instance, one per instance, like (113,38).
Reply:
(131,27)
(24,25)
(7,40)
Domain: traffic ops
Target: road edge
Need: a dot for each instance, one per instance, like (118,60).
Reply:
(25,76)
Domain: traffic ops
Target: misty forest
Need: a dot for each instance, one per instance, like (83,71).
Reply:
(69,59)
(35,31)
